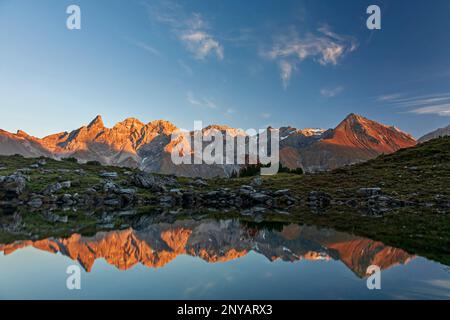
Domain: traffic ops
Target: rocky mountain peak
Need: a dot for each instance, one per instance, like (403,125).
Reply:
(96,123)
(22,134)
(224,129)
(132,122)
(162,126)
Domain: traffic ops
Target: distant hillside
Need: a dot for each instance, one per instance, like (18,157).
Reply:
(442,132)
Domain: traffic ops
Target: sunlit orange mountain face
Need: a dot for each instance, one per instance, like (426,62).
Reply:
(132,143)
(156,245)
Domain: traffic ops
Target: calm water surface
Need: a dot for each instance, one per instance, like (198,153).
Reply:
(217,260)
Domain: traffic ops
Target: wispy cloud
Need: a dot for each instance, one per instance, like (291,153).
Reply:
(200,42)
(229,113)
(144,46)
(190,28)
(437,104)
(325,47)
(331,92)
(200,102)
(440,110)
(148,48)
(286,69)
(186,68)
(390,97)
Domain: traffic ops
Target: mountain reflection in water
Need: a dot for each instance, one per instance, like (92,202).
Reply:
(156,245)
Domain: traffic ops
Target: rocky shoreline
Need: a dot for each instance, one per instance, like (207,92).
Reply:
(129,189)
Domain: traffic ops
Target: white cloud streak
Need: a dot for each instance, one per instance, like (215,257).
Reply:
(191,29)
(440,110)
(148,48)
(186,68)
(201,102)
(435,104)
(286,69)
(331,92)
(198,40)
(390,97)
(324,47)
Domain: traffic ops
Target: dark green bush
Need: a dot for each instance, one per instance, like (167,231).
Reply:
(70,159)
(255,169)
(93,163)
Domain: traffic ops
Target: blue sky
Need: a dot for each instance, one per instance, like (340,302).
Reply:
(247,64)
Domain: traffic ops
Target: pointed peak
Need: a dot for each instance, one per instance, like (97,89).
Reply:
(97,122)
(353,116)
(353,119)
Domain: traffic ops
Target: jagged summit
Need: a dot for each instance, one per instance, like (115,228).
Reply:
(162,126)
(97,123)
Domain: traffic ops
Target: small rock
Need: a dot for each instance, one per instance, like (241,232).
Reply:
(91,191)
(246,190)
(200,183)
(152,182)
(14,183)
(127,191)
(110,175)
(110,187)
(111,202)
(67,199)
(319,199)
(127,213)
(370,191)
(257,181)
(79,171)
(165,199)
(176,192)
(66,184)
(51,217)
(282,192)
(246,187)
(259,197)
(55,187)
(35,203)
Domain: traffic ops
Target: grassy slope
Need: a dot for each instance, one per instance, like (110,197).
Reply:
(411,174)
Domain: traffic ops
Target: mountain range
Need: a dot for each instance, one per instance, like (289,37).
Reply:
(132,143)
(218,241)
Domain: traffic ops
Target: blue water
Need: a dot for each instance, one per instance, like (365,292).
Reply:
(32,273)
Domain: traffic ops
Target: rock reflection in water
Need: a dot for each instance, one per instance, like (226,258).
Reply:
(155,245)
